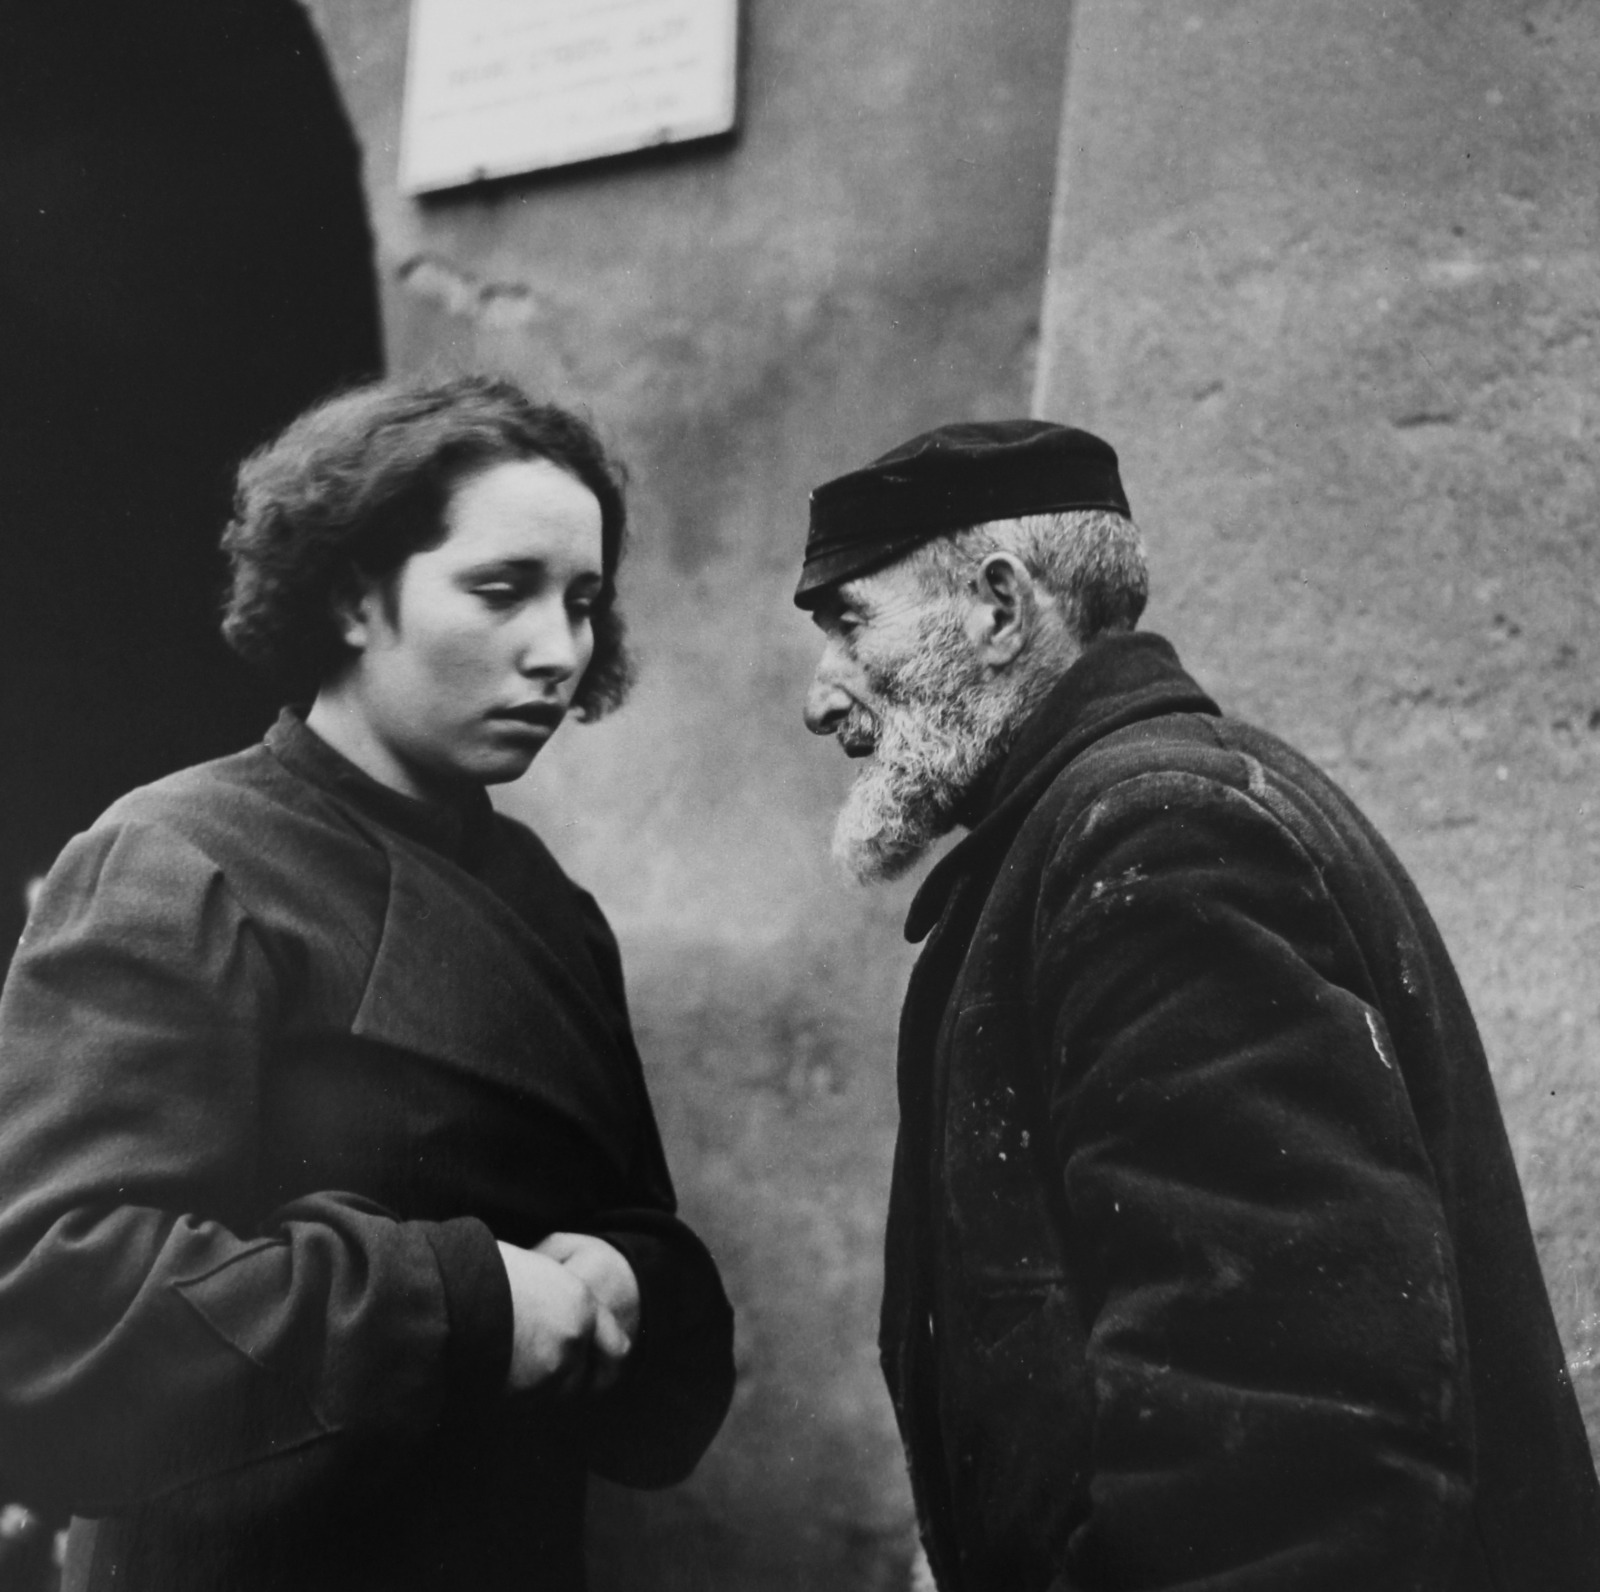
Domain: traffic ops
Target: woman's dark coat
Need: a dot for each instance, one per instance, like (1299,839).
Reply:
(1208,1267)
(282,1054)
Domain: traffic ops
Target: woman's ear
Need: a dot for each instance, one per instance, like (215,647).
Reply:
(1006,609)
(355,601)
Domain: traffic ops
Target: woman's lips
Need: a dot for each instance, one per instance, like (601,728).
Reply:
(541,715)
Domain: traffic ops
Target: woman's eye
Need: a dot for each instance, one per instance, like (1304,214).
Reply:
(581,608)
(496,593)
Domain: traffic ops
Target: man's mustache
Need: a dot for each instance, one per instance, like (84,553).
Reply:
(858,733)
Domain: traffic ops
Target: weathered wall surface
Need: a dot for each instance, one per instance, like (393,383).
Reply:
(865,260)
(1329,276)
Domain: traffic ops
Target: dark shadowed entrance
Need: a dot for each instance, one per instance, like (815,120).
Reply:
(186,262)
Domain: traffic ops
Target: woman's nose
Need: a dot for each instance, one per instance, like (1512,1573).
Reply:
(550,645)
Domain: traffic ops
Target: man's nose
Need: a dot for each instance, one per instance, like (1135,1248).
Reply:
(826,705)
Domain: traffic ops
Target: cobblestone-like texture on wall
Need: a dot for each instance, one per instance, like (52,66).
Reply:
(1329,276)
(863,260)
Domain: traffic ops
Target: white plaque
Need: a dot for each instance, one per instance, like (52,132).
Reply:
(501,86)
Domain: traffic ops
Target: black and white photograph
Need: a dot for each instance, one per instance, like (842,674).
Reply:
(799,796)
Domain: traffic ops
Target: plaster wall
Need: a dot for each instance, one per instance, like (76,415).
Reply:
(1329,278)
(865,259)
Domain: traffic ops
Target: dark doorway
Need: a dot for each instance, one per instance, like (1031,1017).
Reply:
(185,261)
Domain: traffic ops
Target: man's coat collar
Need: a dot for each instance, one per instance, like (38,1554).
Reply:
(1115,682)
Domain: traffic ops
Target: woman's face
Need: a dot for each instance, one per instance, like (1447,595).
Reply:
(468,657)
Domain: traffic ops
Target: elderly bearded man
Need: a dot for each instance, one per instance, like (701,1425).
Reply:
(1207,1264)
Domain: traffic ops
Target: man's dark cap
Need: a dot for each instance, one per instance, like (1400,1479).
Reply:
(946,480)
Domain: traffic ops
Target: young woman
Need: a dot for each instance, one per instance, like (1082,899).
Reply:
(336,1240)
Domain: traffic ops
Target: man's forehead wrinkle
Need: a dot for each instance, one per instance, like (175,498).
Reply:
(880,589)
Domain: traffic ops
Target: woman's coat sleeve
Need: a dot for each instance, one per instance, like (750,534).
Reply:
(651,1430)
(147,1338)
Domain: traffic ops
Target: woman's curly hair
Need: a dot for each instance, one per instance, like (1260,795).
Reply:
(362,481)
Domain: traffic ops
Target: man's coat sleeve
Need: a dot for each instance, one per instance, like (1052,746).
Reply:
(1276,1353)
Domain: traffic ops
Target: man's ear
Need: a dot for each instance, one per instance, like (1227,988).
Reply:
(1007,609)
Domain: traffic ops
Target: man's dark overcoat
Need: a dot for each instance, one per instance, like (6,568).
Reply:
(282,1055)
(1208,1266)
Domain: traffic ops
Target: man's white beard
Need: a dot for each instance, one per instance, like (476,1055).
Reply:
(939,728)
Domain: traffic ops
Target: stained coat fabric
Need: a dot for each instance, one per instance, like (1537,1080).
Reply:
(1208,1267)
(282,1055)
